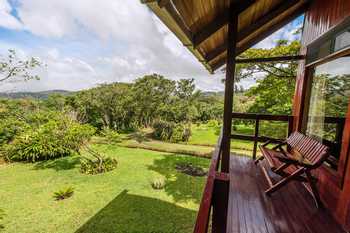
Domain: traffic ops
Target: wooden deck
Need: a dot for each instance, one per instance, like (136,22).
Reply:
(289,210)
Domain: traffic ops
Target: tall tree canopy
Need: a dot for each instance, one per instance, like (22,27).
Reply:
(275,80)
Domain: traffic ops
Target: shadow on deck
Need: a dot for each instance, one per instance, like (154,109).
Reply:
(291,209)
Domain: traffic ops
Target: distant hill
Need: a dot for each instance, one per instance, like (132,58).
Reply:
(35,95)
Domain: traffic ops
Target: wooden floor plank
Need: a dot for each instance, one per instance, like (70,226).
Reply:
(289,210)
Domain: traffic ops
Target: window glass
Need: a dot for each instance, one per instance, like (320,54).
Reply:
(342,41)
(330,92)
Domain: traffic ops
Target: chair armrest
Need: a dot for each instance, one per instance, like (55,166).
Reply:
(272,141)
(285,159)
(279,145)
(290,160)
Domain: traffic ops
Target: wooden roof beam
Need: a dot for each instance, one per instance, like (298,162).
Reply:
(265,34)
(285,5)
(220,21)
(162,3)
(270,59)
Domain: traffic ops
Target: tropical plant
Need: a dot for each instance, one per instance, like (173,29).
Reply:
(100,163)
(55,138)
(63,194)
(158,183)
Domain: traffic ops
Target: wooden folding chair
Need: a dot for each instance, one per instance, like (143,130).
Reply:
(302,155)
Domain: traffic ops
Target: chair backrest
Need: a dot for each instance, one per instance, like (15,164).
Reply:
(311,149)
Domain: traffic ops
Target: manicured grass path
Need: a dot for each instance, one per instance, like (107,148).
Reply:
(118,201)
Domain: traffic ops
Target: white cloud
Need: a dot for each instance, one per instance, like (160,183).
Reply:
(104,41)
(6,19)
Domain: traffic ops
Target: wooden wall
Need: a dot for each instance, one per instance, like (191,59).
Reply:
(334,186)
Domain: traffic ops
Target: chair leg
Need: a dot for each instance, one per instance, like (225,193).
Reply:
(258,159)
(284,181)
(314,189)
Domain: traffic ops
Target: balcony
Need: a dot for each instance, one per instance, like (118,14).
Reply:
(236,202)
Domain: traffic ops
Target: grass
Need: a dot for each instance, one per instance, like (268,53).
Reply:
(204,135)
(118,201)
(201,143)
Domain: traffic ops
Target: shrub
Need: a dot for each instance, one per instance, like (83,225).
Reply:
(95,166)
(213,123)
(63,194)
(98,165)
(110,136)
(163,130)
(55,138)
(181,133)
(10,128)
(168,131)
(158,183)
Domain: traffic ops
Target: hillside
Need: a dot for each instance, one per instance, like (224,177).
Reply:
(35,95)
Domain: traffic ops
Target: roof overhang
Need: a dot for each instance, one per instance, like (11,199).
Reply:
(201,25)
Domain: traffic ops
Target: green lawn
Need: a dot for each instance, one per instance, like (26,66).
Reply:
(118,201)
(204,135)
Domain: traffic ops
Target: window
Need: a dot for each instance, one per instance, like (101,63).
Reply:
(329,97)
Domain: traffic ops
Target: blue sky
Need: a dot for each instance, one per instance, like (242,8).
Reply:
(84,44)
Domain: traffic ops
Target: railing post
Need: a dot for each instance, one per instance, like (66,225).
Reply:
(290,125)
(256,136)
(229,86)
(220,206)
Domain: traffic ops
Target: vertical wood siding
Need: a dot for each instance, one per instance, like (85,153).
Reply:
(322,16)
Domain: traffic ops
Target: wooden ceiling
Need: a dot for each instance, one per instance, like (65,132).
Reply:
(201,25)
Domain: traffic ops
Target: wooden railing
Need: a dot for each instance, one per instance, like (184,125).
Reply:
(217,182)
(257,118)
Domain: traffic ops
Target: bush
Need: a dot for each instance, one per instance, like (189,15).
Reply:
(95,166)
(56,138)
(110,136)
(98,165)
(181,133)
(158,183)
(168,131)
(213,123)
(163,130)
(63,194)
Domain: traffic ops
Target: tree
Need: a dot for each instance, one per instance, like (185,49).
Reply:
(12,67)
(275,81)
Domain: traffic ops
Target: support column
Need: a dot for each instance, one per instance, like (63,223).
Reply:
(229,86)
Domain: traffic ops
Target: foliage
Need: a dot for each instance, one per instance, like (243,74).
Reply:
(158,183)
(110,135)
(12,68)
(100,164)
(180,133)
(63,194)
(271,77)
(169,131)
(46,139)
(127,107)
(163,130)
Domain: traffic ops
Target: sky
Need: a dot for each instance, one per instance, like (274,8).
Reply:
(84,43)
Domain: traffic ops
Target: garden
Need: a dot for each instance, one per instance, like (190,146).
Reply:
(120,157)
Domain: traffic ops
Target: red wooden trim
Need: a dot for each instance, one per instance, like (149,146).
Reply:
(206,202)
(253,116)
(223,176)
